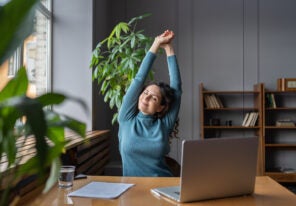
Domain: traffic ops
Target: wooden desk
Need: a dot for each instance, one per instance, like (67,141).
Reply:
(267,193)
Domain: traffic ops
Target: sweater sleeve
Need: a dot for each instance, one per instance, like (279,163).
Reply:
(175,83)
(129,105)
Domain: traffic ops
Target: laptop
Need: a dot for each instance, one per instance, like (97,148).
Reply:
(215,168)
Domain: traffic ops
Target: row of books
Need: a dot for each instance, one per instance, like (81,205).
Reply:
(213,101)
(250,119)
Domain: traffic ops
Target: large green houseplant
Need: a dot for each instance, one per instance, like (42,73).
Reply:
(44,125)
(116,60)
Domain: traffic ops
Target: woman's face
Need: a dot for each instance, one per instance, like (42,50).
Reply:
(150,100)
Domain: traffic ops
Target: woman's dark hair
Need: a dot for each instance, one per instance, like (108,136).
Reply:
(167,99)
(174,133)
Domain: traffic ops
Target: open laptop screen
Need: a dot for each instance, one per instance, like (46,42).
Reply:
(216,168)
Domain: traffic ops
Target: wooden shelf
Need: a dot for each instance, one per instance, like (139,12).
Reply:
(279,92)
(233,109)
(284,109)
(231,92)
(281,108)
(282,176)
(230,127)
(280,127)
(277,145)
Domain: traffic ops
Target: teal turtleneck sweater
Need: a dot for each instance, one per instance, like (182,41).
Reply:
(144,139)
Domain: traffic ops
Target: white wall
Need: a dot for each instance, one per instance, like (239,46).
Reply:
(72,47)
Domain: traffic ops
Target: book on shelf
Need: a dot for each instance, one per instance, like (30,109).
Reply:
(254,119)
(245,119)
(219,101)
(250,119)
(208,101)
(285,123)
(213,101)
(270,101)
(273,103)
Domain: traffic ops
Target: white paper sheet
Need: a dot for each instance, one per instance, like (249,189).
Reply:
(106,190)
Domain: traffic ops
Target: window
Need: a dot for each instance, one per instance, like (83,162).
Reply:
(34,54)
(46,4)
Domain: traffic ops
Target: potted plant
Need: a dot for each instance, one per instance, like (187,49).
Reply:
(116,60)
(44,125)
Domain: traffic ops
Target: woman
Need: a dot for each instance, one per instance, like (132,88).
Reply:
(147,116)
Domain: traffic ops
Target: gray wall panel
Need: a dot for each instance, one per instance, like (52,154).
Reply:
(250,44)
(226,44)
(218,44)
(185,59)
(277,40)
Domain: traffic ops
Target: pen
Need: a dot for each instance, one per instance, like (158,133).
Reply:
(80,176)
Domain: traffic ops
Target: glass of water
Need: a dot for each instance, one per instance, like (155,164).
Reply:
(66,176)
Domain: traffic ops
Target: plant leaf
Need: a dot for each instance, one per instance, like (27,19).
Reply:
(124,27)
(133,41)
(53,176)
(51,98)
(16,86)
(16,23)
(138,18)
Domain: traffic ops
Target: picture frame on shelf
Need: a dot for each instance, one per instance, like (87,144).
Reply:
(286,84)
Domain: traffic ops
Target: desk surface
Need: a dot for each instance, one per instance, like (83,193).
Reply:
(267,193)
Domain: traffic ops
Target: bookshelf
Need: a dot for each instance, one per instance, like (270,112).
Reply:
(228,118)
(279,135)
(274,125)
(234,108)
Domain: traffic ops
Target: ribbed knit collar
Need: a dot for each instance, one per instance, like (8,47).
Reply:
(146,116)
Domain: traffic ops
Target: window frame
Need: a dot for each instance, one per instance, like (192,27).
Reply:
(16,61)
